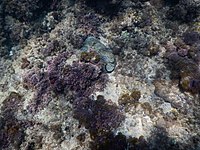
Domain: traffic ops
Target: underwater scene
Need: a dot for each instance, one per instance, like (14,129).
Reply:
(99,74)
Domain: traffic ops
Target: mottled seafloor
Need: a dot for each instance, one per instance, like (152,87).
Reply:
(136,89)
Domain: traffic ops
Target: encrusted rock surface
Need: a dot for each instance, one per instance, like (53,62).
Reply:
(55,94)
(106,55)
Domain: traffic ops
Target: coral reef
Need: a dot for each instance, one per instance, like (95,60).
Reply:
(91,57)
(129,98)
(12,130)
(80,78)
(87,25)
(121,142)
(183,62)
(100,116)
(100,75)
(183,10)
(22,19)
(28,10)
(52,47)
(191,38)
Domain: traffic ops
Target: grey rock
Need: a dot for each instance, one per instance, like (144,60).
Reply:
(107,57)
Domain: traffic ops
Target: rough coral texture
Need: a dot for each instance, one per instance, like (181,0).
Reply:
(187,10)
(20,20)
(99,116)
(12,130)
(80,78)
(54,95)
(184,60)
(27,10)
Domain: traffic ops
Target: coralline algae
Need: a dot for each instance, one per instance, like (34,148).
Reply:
(93,44)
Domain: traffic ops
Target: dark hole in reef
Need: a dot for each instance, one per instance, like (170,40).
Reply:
(171,2)
(106,7)
(184,13)
(29,11)
(46,6)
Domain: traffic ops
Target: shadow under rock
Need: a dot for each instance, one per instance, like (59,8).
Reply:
(159,140)
(19,20)
(106,7)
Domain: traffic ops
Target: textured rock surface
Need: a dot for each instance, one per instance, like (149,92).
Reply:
(108,59)
(54,93)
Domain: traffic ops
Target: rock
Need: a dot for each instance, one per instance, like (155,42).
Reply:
(107,57)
